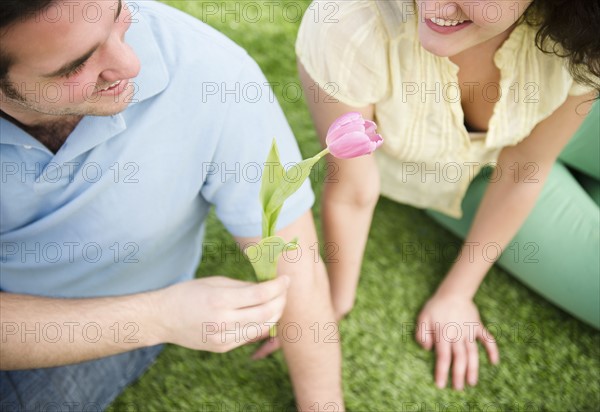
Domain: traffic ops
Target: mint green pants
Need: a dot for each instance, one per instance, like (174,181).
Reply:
(557,250)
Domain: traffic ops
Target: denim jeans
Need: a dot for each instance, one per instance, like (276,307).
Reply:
(87,386)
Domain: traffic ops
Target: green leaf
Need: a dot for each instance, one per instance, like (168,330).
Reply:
(278,184)
(293,178)
(264,255)
(272,177)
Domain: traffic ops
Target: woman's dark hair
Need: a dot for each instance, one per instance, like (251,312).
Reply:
(569,29)
(11,12)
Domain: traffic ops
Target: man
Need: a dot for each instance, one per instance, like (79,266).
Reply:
(121,124)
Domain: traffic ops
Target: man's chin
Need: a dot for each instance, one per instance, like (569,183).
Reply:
(29,113)
(107,111)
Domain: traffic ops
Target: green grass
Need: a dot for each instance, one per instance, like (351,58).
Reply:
(549,360)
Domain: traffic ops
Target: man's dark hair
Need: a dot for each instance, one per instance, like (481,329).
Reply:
(11,12)
(569,29)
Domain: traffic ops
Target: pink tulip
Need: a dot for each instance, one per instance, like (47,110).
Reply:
(352,136)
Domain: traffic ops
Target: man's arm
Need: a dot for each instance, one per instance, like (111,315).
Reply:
(42,332)
(307,329)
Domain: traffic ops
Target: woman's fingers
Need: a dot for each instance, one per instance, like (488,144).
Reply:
(472,361)
(452,326)
(489,342)
(422,336)
(459,364)
(442,363)
(462,356)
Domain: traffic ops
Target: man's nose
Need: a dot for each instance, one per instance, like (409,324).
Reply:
(120,61)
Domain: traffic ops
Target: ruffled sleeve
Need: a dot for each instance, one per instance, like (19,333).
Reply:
(578,89)
(343,47)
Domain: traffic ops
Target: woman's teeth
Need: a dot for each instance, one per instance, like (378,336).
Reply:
(442,22)
(110,86)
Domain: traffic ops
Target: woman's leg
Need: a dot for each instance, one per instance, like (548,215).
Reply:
(583,150)
(591,186)
(556,250)
(583,154)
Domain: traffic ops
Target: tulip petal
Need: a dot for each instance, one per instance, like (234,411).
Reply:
(377,139)
(352,136)
(356,126)
(370,127)
(352,145)
(344,119)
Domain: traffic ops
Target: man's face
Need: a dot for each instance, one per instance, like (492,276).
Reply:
(71,59)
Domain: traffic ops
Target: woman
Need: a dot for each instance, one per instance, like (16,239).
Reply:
(456,86)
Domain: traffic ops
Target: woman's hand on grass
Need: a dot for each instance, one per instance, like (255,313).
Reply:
(452,326)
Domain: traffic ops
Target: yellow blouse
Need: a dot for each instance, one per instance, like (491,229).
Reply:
(368,52)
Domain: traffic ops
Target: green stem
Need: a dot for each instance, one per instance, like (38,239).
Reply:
(271,268)
(270,271)
(322,153)
(272,274)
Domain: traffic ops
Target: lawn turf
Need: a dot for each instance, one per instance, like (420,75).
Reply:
(549,360)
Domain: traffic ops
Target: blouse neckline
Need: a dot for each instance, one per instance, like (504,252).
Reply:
(504,52)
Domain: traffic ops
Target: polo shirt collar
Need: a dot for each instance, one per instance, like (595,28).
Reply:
(153,77)
(93,130)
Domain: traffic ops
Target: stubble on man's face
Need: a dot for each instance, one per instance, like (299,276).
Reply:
(40,47)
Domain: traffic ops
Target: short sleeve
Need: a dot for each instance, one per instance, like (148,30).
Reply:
(343,47)
(233,177)
(578,89)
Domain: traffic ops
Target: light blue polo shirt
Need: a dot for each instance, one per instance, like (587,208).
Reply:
(120,208)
